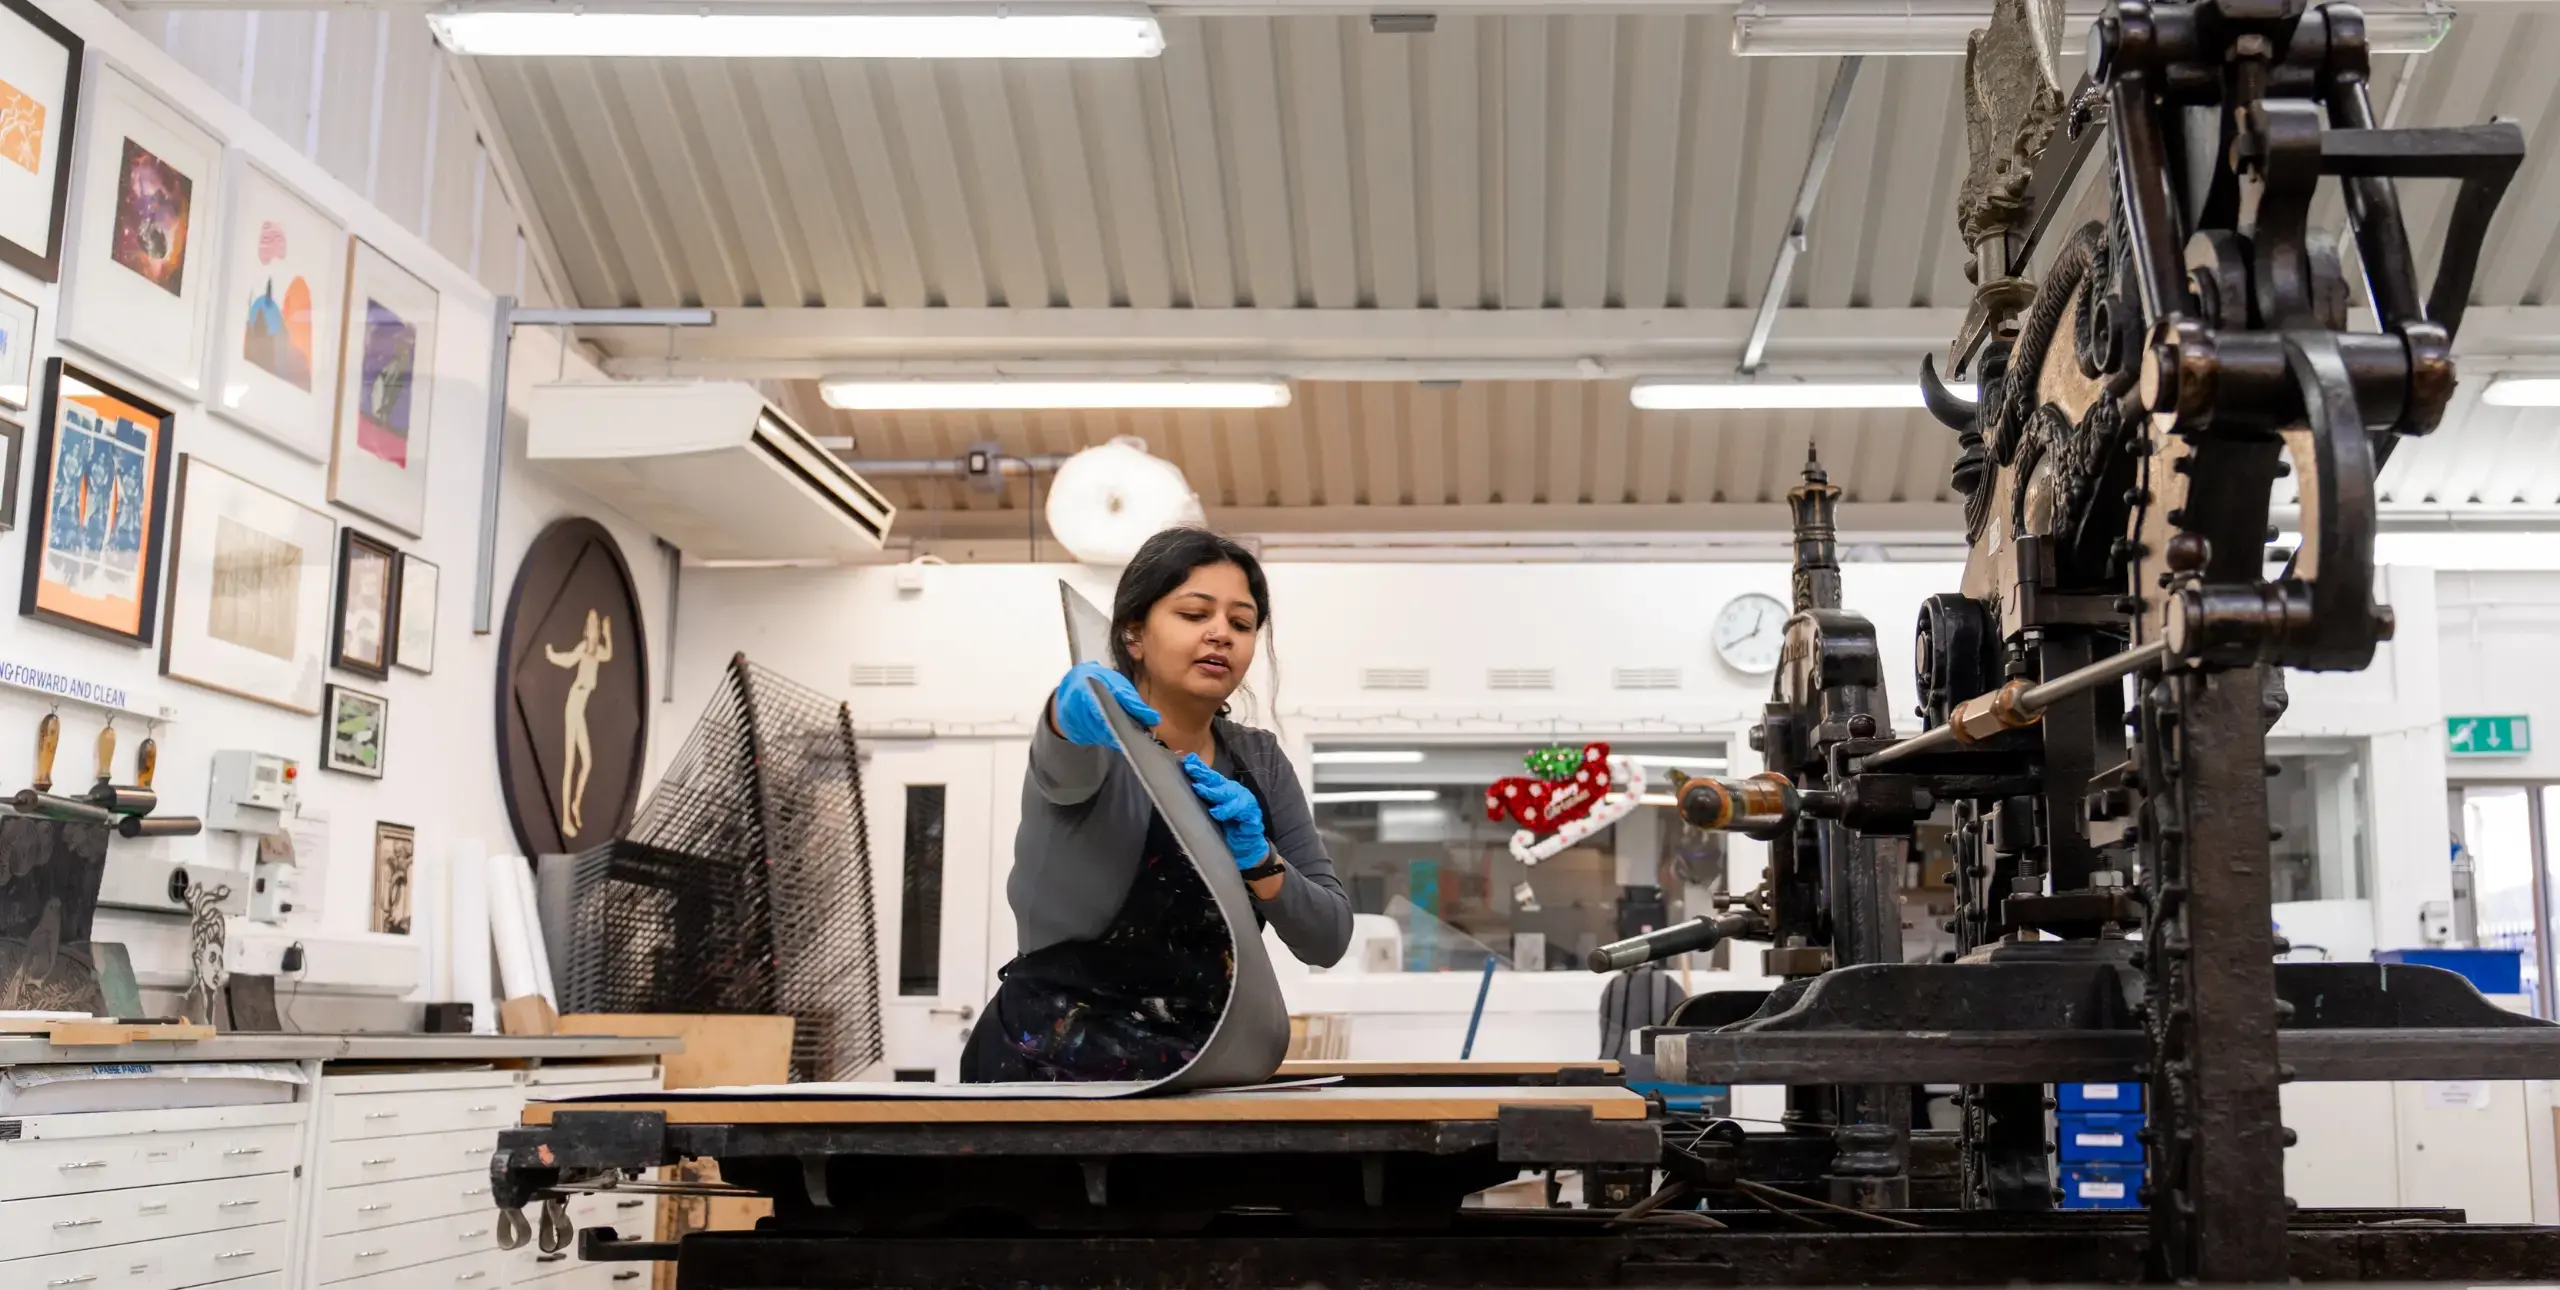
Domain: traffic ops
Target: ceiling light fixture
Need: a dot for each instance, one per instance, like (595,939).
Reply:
(868,395)
(1837,28)
(1777,395)
(1375,795)
(1366,757)
(814,32)
(2523,392)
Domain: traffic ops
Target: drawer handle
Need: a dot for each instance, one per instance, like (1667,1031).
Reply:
(77,1222)
(626,1276)
(374,1208)
(478,1151)
(376,1162)
(155,1207)
(473,1235)
(629,1204)
(80,1280)
(477,1191)
(238,1204)
(484,1108)
(472,1276)
(81,1164)
(234,1254)
(371,1254)
(382,1115)
(246,1151)
(550,1258)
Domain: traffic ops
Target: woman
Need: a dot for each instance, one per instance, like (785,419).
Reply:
(1125,961)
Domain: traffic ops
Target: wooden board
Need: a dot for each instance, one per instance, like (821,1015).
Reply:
(1458,1072)
(1329,1104)
(104,1034)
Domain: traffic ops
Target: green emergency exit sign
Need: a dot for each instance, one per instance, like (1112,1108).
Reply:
(2488,736)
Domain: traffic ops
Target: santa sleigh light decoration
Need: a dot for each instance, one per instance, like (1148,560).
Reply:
(1564,798)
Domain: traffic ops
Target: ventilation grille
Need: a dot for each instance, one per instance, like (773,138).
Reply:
(879,674)
(1395,678)
(1645,678)
(1520,678)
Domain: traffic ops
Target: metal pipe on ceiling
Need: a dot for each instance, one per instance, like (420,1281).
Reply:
(1826,140)
(952,468)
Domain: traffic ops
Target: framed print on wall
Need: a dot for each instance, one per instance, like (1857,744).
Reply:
(368,590)
(102,480)
(17,351)
(275,330)
(378,456)
(10,435)
(39,100)
(414,640)
(395,856)
(142,257)
(352,731)
(248,590)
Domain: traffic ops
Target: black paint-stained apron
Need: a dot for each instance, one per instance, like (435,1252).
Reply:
(1136,1002)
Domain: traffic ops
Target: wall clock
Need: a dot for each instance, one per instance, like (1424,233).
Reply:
(1749,632)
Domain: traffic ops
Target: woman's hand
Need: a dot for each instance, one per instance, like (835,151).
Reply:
(1233,806)
(1077,714)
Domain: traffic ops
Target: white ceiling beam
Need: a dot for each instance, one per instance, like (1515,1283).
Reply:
(1390,526)
(1336,344)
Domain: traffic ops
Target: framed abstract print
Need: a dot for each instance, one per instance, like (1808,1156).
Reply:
(378,457)
(414,642)
(142,252)
(248,590)
(102,481)
(352,730)
(17,352)
(368,592)
(40,65)
(275,328)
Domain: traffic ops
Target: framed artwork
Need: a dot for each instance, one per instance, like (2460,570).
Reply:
(275,331)
(102,480)
(378,456)
(10,435)
(39,99)
(17,351)
(248,590)
(414,642)
(353,725)
(141,274)
(368,588)
(395,856)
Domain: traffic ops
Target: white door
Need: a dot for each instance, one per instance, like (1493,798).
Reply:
(1012,762)
(935,866)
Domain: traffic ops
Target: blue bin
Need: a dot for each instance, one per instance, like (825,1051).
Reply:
(2102,1187)
(2490,971)
(2081,1137)
(2098,1097)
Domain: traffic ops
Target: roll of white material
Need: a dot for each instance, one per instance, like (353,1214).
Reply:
(431,925)
(534,935)
(507,917)
(1110,498)
(467,878)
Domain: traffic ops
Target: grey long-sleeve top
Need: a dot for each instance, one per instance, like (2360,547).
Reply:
(1084,823)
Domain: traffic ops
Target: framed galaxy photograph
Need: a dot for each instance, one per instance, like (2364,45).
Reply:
(275,329)
(142,271)
(40,62)
(102,482)
(378,458)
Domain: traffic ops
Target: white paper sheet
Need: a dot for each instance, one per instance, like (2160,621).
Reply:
(521,871)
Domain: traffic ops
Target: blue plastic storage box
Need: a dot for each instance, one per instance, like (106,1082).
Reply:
(2490,971)
(2102,1187)
(2081,1137)
(2098,1097)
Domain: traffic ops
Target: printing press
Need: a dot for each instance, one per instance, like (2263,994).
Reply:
(2095,701)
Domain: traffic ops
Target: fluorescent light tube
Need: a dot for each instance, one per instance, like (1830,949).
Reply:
(1698,396)
(1366,757)
(840,33)
(1375,795)
(1836,28)
(862,395)
(2523,392)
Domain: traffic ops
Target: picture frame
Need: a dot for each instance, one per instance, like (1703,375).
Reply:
(395,859)
(249,586)
(143,253)
(40,71)
(354,726)
(96,568)
(368,590)
(275,329)
(17,351)
(11,436)
(414,634)
(378,446)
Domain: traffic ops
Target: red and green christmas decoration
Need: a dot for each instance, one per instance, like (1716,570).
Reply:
(1562,786)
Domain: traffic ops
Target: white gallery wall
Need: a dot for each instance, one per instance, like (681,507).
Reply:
(440,749)
(2500,640)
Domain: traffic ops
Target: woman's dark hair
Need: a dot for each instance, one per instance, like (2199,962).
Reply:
(1163,563)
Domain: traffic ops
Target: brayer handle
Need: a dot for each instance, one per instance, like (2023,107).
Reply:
(1699,933)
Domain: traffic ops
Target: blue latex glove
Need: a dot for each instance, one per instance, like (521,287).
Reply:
(1232,805)
(1079,713)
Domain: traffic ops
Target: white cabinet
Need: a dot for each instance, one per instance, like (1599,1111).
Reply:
(160,1199)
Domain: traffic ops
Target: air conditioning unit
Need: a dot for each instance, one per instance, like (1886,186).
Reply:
(710,466)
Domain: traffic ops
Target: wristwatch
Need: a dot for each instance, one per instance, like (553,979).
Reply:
(1269,868)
